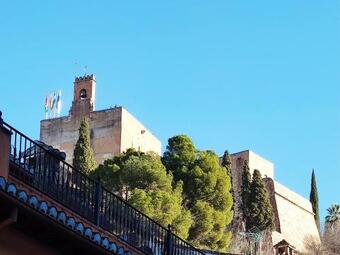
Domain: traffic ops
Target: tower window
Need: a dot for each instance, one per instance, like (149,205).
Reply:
(83,94)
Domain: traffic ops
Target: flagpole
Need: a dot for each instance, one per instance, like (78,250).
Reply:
(58,104)
(51,105)
(45,107)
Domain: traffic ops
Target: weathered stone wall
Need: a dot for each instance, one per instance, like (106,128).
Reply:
(83,105)
(294,214)
(236,175)
(135,134)
(255,162)
(62,133)
(294,218)
(113,131)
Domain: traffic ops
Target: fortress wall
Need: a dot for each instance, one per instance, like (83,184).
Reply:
(256,162)
(62,133)
(295,216)
(106,133)
(113,130)
(293,196)
(236,175)
(265,166)
(136,135)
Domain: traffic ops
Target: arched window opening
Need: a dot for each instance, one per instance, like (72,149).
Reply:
(83,94)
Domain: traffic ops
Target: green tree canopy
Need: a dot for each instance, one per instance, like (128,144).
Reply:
(131,170)
(83,156)
(333,214)
(260,209)
(332,220)
(165,207)
(179,156)
(207,191)
(142,180)
(226,162)
(314,199)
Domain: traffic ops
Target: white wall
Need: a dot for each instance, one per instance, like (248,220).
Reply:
(135,134)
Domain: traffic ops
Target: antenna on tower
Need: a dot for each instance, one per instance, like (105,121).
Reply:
(77,69)
(85,69)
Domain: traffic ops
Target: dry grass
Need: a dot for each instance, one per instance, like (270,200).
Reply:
(330,244)
(245,246)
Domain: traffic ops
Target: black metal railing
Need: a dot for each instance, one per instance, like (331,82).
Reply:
(44,170)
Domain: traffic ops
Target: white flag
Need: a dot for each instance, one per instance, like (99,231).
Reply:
(59,103)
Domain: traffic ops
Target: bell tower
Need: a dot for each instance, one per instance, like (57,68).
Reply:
(84,96)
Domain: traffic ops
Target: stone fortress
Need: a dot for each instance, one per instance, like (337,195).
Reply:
(115,130)
(294,217)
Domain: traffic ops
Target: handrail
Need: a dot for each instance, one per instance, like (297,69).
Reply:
(11,129)
(48,173)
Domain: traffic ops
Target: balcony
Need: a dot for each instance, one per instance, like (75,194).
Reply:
(42,181)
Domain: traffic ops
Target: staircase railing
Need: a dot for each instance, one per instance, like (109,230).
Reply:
(42,168)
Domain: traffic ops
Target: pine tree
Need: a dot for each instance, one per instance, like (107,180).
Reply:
(314,199)
(245,193)
(260,210)
(142,180)
(83,156)
(206,190)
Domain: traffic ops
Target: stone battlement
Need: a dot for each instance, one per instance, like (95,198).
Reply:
(90,77)
(113,130)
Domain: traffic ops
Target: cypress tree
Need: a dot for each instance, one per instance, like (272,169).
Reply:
(226,162)
(83,156)
(260,210)
(314,199)
(245,193)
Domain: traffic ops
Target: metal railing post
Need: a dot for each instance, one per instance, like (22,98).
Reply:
(168,245)
(98,201)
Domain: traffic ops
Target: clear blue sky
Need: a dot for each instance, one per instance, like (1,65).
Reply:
(234,75)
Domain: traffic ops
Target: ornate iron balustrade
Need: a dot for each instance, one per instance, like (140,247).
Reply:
(45,170)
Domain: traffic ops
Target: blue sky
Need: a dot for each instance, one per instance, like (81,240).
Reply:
(233,75)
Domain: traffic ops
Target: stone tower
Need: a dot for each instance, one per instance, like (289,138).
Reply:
(113,130)
(84,96)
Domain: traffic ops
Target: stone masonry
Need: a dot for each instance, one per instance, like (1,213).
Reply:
(113,130)
(294,217)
